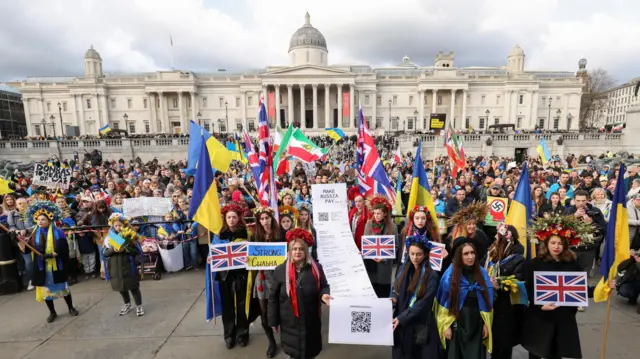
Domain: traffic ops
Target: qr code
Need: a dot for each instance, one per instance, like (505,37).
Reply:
(360,322)
(335,216)
(323,216)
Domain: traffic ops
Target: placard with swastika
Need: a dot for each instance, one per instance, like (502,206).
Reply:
(497,210)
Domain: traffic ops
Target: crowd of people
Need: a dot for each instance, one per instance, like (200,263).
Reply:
(465,310)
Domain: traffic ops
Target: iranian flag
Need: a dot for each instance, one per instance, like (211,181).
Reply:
(456,152)
(295,144)
(280,148)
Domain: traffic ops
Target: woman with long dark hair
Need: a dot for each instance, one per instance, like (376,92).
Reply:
(379,270)
(266,230)
(359,215)
(464,305)
(415,330)
(420,223)
(305,222)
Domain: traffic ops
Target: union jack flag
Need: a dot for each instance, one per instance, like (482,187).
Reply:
(266,156)
(371,175)
(227,256)
(252,157)
(436,255)
(378,247)
(568,289)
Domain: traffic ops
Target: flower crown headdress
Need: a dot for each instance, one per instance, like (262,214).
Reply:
(44,208)
(475,210)
(380,201)
(231,207)
(416,239)
(417,209)
(288,211)
(286,191)
(353,193)
(570,228)
(263,209)
(306,206)
(118,217)
(300,233)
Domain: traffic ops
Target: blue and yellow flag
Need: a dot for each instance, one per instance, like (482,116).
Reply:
(105,129)
(398,204)
(420,190)
(519,214)
(335,133)
(205,205)
(219,156)
(616,243)
(543,151)
(441,304)
(115,240)
(213,299)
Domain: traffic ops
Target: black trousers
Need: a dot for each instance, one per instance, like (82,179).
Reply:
(233,291)
(137,296)
(502,353)
(382,290)
(533,356)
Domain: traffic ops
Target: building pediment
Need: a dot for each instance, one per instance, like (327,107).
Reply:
(306,70)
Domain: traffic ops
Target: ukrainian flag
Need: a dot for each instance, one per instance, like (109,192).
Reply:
(105,129)
(398,203)
(616,243)
(543,151)
(420,190)
(219,156)
(234,149)
(334,133)
(205,205)
(115,240)
(519,214)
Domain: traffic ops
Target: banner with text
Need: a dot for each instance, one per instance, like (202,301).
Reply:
(146,206)
(51,176)
(346,110)
(265,256)
(361,321)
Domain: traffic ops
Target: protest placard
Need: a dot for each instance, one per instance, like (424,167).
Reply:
(146,206)
(361,321)
(51,176)
(265,256)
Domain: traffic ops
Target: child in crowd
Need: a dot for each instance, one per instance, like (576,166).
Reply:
(168,233)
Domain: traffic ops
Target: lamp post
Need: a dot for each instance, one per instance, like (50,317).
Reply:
(220,125)
(558,117)
(415,123)
(403,123)
(549,117)
(569,118)
(125,117)
(44,127)
(199,117)
(53,125)
(487,112)
(226,116)
(390,114)
(60,112)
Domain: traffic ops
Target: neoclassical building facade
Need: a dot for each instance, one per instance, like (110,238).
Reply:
(309,92)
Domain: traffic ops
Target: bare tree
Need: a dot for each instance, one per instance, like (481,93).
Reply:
(593,104)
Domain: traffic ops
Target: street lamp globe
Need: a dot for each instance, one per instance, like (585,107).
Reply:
(52,118)
(125,117)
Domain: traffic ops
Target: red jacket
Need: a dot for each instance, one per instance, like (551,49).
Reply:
(362,221)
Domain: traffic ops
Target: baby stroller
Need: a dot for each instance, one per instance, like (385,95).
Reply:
(151,259)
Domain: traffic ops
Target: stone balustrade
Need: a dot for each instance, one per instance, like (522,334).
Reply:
(474,145)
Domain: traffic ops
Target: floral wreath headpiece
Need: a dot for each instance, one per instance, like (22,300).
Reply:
(231,207)
(353,193)
(380,201)
(417,209)
(416,239)
(263,209)
(570,228)
(304,206)
(288,211)
(300,233)
(475,210)
(286,191)
(44,208)
(118,217)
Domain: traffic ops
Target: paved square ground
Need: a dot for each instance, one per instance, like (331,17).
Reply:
(174,327)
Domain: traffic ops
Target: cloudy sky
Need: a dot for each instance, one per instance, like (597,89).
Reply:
(49,37)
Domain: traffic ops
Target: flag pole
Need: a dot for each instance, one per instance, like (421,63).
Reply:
(213,288)
(606,328)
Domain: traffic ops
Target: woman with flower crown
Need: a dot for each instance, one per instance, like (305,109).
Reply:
(267,229)
(286,197)
(299,288)
(359,215)
(49,272)
(504,263)
(420,223)
(288,219)
(550,331)
(380,270)
(305,222)
(415,333)
(120,251)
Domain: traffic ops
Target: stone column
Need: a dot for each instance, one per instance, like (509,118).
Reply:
(96,112)
(164,128)
(533,118)
(327,108)
(278,119)
(194,109)
(434,100)
(302,109)
(243,103)
(565,111)
(265,99)
(290,108)
(374,114)
(453,107)
(418,124)
(152,113)
(181,106)
(464,109)
(352,94)
(76,116)
(105,109)
(315,106)
(340,125)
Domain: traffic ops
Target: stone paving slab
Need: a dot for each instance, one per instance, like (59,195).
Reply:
(122,348)
(17,350)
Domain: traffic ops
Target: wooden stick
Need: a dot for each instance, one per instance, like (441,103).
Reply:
(22,240)
(249,193)
(213,289)
(606,328)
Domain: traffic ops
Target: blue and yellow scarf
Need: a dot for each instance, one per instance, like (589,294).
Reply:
(53,264)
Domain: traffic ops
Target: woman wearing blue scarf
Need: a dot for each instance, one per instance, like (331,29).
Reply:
(49,272)
(415,331)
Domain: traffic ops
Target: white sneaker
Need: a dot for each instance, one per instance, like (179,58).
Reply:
(139,311)
(125,309)
(30,287)
(580,309)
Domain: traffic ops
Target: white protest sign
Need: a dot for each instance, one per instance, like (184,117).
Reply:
(361,321)
(51,176)
(146,206)
(337,251)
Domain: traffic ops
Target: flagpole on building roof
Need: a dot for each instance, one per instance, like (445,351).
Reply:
(171,52)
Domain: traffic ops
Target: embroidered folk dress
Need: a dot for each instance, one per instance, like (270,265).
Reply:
(51,290)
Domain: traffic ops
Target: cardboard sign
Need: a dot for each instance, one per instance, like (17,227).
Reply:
(497,210)
(265,256)
(51,176)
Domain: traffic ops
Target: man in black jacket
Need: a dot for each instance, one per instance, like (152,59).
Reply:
(629,284)
(589,214)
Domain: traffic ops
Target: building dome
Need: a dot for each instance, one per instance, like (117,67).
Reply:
(516,51)
(92,54)
(307,36)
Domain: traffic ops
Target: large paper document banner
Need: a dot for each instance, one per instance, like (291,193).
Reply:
(265,256)
(361,321)
(564,289)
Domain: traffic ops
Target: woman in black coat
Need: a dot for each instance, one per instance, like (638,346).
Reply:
(505,258)
(299,288)
(415,332)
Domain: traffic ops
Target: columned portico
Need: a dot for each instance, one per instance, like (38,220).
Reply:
(327,108)
(340,125)
(278,120)
(302,109)
(290,103)
(315,106)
